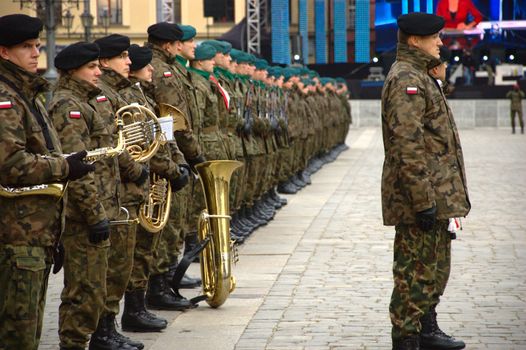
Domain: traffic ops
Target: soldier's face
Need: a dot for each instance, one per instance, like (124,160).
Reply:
(188,49)
(208,65)
(120,64)
(429,44)
(145,73)
(89,72)
(25,55)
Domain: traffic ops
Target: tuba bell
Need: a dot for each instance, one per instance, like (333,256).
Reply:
(214,225)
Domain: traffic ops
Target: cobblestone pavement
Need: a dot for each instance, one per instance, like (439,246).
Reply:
(319,275)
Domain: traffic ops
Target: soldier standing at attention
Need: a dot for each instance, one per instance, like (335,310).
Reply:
(30,154)
(516,95)
(423,184)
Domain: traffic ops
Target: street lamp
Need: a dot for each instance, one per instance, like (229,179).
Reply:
(67,19)
(87,23)
(105,21)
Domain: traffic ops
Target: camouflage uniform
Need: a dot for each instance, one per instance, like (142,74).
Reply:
(516,97)
(30,225)
(423,167)
(85,264)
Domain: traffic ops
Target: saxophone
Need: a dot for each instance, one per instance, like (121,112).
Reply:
(153,214)
(214,225)
(58,189)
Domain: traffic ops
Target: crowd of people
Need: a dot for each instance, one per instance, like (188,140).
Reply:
(282,123)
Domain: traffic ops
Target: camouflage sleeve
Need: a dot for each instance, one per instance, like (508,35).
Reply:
(74,135)
(130,170)
(177,155)
(17,165)
(404,115)
(163,164)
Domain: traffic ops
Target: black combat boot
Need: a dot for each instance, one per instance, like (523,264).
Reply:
(160,296)
(120,337)
(432,337)
(407,343)
(104,337)
(287,188)
(135,317)
(187,282)
(277,197)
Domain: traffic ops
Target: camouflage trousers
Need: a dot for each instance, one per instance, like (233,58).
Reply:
(24,273)
(146,244)
(84,293)
(518,112)
(120,261)
(422,262)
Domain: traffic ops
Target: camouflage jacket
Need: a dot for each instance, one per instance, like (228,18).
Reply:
(81,127)
(423,163)
(170,89)
(120,92)
(25,160)
(516,97)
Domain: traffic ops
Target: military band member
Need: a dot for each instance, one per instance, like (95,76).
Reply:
(423,184)
(30,154)
(165,40)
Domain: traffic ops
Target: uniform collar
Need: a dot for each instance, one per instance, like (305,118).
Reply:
(114,79)
(418,58)
(80,88)
(202,73)
(162,55)
(30,84)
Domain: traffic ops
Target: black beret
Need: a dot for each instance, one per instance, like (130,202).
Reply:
(15,29)
(445,54)
(112,45)
(76,55)
(140,56)
(420,23)
(165,31)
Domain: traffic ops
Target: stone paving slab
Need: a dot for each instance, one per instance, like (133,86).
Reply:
(318,277)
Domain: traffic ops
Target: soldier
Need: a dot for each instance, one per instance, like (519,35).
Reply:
(516,95)
(423,184)
(30,154)
(115,64)
(166,40)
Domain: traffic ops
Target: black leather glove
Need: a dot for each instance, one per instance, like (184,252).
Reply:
(197,160)
(58,258)
(425,219)
(77,167)
(182,180)
(143,177)
(99,232)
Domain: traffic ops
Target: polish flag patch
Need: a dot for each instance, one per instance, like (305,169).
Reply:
(167,74)
(411,90)
(6,104)
(74,114)
(101,98)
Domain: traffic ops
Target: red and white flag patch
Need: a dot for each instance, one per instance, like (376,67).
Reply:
(411,90)
(167,74)
(74,114)
(102,98)
(6,104)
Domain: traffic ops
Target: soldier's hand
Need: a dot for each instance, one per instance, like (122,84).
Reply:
(425,219)
(197,160)
(99,232)
(143,177)
(77,167)
(182,180)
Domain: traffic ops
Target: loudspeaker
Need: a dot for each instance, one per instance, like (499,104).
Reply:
(214,8)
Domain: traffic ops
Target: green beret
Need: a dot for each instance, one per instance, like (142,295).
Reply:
(220,46)
(234,53)
(420,23)
(341,80)
(240,56)
(112,45)
(261,64)
(15,29)
(226,46)
(275,71)
(188,32)
(251,58)
(76,55)
(204,52)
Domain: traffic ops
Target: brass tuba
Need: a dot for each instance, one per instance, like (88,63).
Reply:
(58,189)
(154,213)
(214,224)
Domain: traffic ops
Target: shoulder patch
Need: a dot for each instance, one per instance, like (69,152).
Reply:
(101,98)
(6,104)
(74,114)
(167,74)
(411,90)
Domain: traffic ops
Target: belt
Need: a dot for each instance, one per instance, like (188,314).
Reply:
(210,129)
